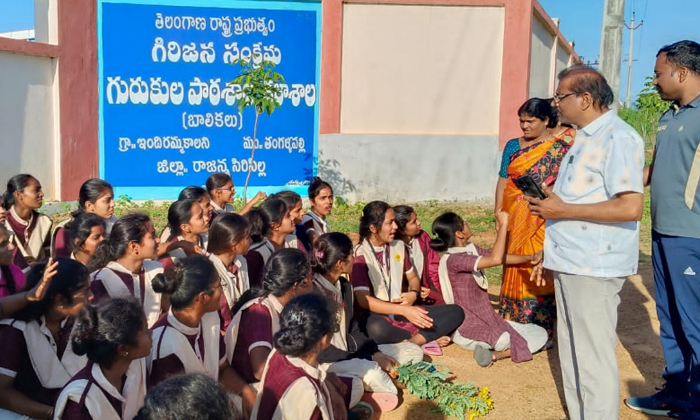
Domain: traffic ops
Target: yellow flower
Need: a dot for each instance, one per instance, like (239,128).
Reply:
(397,258)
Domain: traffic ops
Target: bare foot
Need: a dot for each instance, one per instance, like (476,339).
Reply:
(444,341)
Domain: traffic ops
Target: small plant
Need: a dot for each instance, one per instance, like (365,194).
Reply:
(453,399)
(259,88)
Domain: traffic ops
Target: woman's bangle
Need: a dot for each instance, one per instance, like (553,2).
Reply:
(50,413)
(417,292)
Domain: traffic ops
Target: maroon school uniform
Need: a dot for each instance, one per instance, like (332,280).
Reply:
(61,243)
(22,234)
(256,258)
(164,366)
(481,322)
(257,332)
(15,361)
(77,411)
(361,281)
(430,278)
(99,291)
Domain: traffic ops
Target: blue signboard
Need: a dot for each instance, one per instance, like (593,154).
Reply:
(168,114)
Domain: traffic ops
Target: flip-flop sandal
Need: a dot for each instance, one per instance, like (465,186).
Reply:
(432,348)
(483,356)
(381,401)
(362,411)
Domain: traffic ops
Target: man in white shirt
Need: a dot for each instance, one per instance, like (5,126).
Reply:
(591,239)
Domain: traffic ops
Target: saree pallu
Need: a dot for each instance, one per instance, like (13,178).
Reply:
(522,300)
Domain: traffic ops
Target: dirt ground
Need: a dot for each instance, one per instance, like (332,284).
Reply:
(532,390)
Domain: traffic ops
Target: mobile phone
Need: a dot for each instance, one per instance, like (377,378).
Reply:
(529,187)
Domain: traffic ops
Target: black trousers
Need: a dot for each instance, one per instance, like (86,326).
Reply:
(446,319)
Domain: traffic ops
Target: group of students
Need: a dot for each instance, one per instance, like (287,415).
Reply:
(269,302)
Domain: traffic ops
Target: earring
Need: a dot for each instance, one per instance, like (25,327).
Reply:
(126,353)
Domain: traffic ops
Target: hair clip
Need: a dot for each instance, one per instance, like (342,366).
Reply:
(319,254)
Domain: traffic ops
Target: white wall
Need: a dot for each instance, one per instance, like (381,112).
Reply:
(421,69)
(541,68)
(563,58)
(27,130)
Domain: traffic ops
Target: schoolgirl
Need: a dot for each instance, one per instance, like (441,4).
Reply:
(188,231)
(351,351)
(222,191)
(189,339)
(96,196)
(270,224)
(229,240)
(112,385)
(199,195)
(122,265)
(425,260)
(30,230)
(386,287)
(87,231)
(463,282)
(314,223)
(36,360)
(296,212)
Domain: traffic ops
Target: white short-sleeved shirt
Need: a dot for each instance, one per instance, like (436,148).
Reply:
(607,159)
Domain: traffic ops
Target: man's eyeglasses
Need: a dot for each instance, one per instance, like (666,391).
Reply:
(559,98)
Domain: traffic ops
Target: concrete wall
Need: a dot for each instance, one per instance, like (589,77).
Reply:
(563,59)
(421,69)
(409,168)
(541,66)
(27,138)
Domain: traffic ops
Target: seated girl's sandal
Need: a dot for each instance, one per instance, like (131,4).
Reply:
(483,356)
(432,349)
(381,401)
(362,411)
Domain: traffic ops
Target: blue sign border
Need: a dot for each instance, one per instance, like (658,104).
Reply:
(171,193)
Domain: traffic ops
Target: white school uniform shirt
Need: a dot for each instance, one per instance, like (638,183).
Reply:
(607,158)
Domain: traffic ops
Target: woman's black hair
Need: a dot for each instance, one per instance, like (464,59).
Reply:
(227,230)
(217,181)
(316,186)
(290,198)
(304,321)
(179,213)
(193,396)
(71,276)
(16,183)
(275,209)
(185,280)
(99,330)
(445,227)
(193,192)
(372,215)
(259,224)
(403,216)
(80,228)
(91,191)
(129,228)
(285,268)
(6,272)
(328,249)
(541,109)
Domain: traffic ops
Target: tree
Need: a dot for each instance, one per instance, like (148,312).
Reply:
(259,88)
(648,109)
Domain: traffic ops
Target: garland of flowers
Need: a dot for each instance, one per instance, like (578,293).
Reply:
(453,399)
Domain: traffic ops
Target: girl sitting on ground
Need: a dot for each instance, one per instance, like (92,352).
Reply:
(387,286)
(292,373)
(314,223)
(96,196)
(188,231)
(112,386)
(201,196)
(424,259)
(222,191)
(351,352)
(229,240)
(463,282)
(30,230)
(296,212)
(87,231)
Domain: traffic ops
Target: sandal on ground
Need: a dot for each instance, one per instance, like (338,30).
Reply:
(362,411)
(483,356)
(432,348)
(381,401)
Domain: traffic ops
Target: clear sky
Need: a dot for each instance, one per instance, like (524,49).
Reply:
(665,21)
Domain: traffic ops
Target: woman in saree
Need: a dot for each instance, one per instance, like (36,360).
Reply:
(538,154)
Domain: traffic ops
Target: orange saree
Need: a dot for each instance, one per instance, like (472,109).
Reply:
(521,300)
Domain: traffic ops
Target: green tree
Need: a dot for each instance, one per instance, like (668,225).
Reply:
(259,88)
(644,117)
